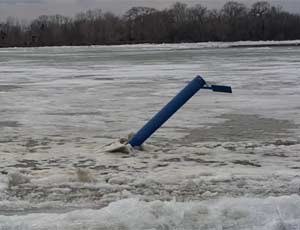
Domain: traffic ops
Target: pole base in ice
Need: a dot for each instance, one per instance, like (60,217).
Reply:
(117,147)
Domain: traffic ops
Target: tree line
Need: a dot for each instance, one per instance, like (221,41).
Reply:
(178,23)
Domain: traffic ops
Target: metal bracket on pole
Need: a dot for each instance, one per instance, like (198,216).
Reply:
(175,104)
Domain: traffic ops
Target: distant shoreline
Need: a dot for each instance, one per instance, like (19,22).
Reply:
(182,46)
(178,23)
(265,45)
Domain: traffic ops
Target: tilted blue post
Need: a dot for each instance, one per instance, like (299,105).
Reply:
(162,116)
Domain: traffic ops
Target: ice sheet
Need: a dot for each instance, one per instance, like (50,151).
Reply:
(61,105)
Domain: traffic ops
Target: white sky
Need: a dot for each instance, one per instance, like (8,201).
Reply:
(29,9)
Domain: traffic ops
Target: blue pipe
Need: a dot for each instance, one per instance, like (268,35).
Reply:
(162,116)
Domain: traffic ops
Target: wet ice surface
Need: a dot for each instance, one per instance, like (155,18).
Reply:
(222,162)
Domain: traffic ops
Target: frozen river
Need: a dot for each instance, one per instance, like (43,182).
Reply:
(222,162)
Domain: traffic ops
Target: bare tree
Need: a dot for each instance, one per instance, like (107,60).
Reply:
(179,23)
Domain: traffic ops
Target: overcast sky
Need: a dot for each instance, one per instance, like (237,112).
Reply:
(29,9)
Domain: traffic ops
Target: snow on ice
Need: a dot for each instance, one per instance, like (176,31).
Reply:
(222,162)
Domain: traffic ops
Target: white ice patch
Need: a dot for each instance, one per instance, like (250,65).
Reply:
(117,147)
(227,213)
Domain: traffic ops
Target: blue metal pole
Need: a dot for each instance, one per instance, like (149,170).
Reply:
(162,116)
